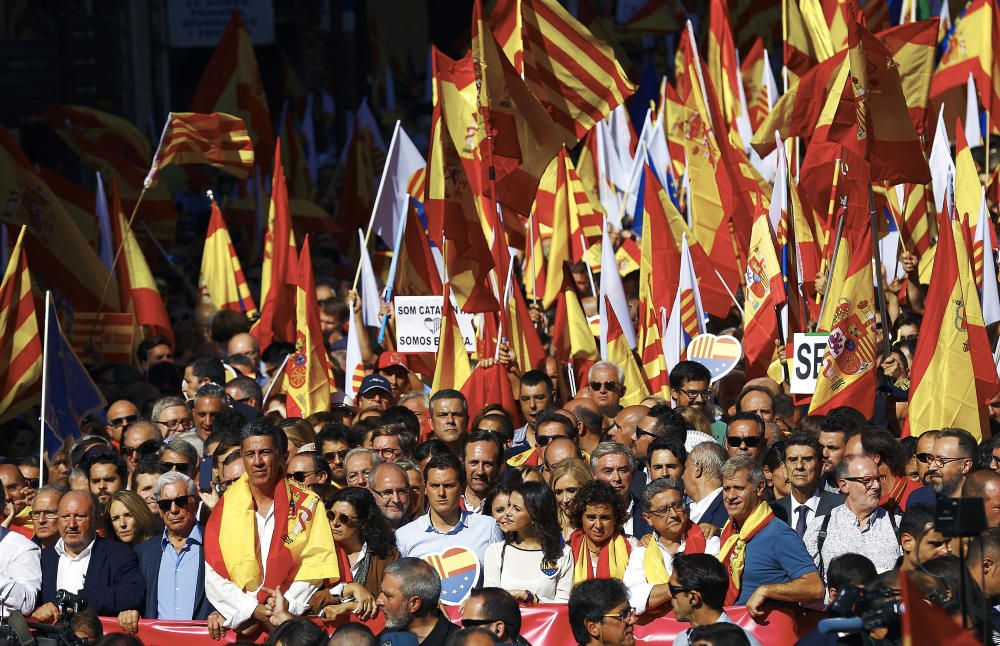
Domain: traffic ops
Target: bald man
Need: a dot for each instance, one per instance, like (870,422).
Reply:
(589,419)
(557,450)
(15,490)
(120,414)
(246,345)
(622,429)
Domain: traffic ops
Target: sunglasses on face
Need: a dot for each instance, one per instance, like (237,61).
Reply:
(343,519)
(736,442)
(473,623)
(543,440)
(123,421)
(677,589)
(923,458)
(166,503)
(300,476)
(330,456)
(610,386)
(175,466)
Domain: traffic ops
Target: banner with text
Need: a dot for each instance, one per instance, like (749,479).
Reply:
(418,324)
(807,358)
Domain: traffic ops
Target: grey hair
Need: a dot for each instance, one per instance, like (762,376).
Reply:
(358,450)
(611,448)
(174,476)
(755,473)
(417,579)
(607,364)
(408,465)
(845,465)
(164,403)
(52,488)
(405,397)
(186,449)
(657,487)
(711,457)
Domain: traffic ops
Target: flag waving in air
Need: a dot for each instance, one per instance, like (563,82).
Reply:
(216,139)
(763,294)
(221,282)
(20,341)
(307,373)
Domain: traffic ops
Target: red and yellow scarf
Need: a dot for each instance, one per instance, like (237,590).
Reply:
(611,561)
(652,560)
(301,544)
(734,544)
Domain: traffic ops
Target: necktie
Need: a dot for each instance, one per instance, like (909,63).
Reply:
(800,524)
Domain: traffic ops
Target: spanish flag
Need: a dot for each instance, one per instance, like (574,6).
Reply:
(724,70)
(763,294)
(452,368)
(221,282)
(20,340)
(953,376)
(620,353)
(307,376)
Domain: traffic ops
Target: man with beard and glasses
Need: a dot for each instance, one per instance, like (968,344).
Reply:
(952,459)
(392,492)
(483,460)
(409,600)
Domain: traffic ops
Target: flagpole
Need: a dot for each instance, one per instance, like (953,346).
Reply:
(45,390)
(586,263)
(879,279)
(534,276)
(832,266)
(278,373)
(730,292)
(393,266)
(381,187)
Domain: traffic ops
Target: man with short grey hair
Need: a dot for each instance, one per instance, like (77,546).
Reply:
(392,492)
(359,463)
(606,381)
(171,415)
(180,455)
(614,464)
(409,600)
(702,479)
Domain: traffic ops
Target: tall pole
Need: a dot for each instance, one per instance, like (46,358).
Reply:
(879,278)
(45,389)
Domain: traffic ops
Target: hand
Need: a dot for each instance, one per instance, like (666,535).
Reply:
(353,299)
(894,286)
(644,541)
(8,514)
(523,596)
(262,613)
(277,608)
(756,601)
(385,309)
(46,613)
(129,621)
(507,358)
(209,498)
(708,530)
(216,627)
(820,282)
(892,368)
(782,351)
(910,261)
(365,607)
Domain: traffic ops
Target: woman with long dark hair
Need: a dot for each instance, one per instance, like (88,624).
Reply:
(532,563)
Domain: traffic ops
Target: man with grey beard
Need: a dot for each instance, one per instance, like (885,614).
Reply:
(409,600)
(392,492)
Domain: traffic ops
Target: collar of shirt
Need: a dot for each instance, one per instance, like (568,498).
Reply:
(467,506)
(699,507)
(872,517)
(812,503)
(459,526)
(193,537)
(85,553)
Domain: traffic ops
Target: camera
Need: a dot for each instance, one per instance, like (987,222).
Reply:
(866,609)
(16,631)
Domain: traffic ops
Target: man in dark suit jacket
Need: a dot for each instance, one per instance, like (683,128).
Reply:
(104,572)
(804,466)
(703,483)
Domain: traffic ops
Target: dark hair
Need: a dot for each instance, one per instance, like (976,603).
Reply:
(118,639)
(846,420)
(147,465)
(448,393)
(511,482)
(596,492)
(225,440)
(751,417)
(949,572)
(986,543)
(669,443)
(402,415)
(500,605)
(783,405)
(276,352)
(353,632)
(446,461)
(225,324)
(541,505)
(319,463)
(297,632)
(966,442)
(875,441)
(209,368)
(107,457)
(917,520)
(719,634)
(669,422)
(775,455)
(247,387)
(464,636)
(263,428)
(705,574)
(850,569)
(332,432)
(147,344)
(499,415)
(429,448)
(811,424)
(375,530)
(801,438)
(906,317)
(486,436)
(535,378)
(548,416)
(590,600)
(686,371)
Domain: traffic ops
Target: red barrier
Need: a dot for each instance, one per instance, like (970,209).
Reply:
(542,625)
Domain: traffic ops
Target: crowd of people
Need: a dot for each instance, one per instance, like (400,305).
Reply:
(172,507)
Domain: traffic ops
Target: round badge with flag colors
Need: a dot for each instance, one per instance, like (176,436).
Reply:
(719,354)
(459,570)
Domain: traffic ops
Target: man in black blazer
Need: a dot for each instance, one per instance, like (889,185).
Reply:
(703,484)
(806,499)
(180,550)
(104,572)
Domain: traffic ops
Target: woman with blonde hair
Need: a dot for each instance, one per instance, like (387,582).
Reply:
(298,431)
(568,476)
(128,519)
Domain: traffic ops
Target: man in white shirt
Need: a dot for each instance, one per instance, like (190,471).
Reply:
(20,568)
(703,483)
(806,500)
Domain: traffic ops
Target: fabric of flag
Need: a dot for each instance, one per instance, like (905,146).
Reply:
(828,34)
(20,339)
(763,294)
(952,376)
(912,47)
(279,266)
(908,205)
(925,622)
(402,162)
(523,337)
(79,205)
(724,70)
(221,281)
(799,54)
(968,189)
(654,364)
(356,195)
(57,249)
(613,295)
(619,352)
(420,276)
(574,74)
(307,375)
(105,247)
(660,256)
(70,393)
(972,48)
(231,83)
(451,367)
(137,289)
(984,264)
(573,340)
(751,73)
(298,179)
(487,386)
(215,138)
(354,367)
(687,318)
(371,302)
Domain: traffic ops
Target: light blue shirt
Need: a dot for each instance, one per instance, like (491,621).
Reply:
(473,531)
(178,579)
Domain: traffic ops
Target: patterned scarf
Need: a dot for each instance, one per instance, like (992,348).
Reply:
(611,561)
(734,544)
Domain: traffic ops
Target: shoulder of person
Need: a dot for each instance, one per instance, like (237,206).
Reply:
(16,542)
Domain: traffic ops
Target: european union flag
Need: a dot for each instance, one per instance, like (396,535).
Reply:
(69,392)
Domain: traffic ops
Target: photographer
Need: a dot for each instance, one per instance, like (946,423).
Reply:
(20,568)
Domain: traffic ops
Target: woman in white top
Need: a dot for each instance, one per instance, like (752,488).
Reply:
(533,563)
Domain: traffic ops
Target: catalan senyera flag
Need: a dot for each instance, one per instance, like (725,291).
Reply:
(908,204)
(231,84)
(451,368)
(137,290)
(20,340)
(620,353)
(216,139)
(307,375)
(972,48)
(847,375)
(953,376)
(763,294)
(654,363)
(574,74)
(221,281)
(686,315)
(279,267)
(64,259)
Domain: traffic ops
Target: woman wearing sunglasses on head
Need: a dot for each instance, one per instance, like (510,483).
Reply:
(532,563)
(129,520)
(365,547)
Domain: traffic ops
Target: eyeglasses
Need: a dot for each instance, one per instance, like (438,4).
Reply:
(736,441)
(472,623)
(623,616)
(386,494)
(677,508)
(123,421)
(171,423)
(610,386)
(343,519)
(543,440)
(129,450)
(300,476)
(31,483)
(867,481)
(388,452)
(330,456)
(225,484)
(639,432)
(995,459)
(175,466)
(677,589)
(166,503)
(923,458)
(51,514)
(356,477)
(695,394)
(941,460)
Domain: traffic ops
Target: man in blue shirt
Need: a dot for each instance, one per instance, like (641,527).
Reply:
(447,537)
(173,563)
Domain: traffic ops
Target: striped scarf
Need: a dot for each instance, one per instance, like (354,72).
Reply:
(611,561)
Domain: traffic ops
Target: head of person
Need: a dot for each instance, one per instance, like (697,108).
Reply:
(774,470)
(698,584)
(134,436)
(415,479)
(494,609)
(599,613)
(358,465)
(667,457)
(245,390)
(555,452)
(803,462)
(985,484)
(410,588)
(918,539)
(614,464)
(840,425)
(308,468)
(375,392)
(848,571)
(498,500)
(171,415)
(607,386)
(534,394)
(444,482)
(45,513)
(550,425)
(952,459)
(14,486)
(334,443)
(483,460)
(143,479)
(984,557)
(392,442)
(859,481)
(742,487)
(598,511)
(745,436)
(264,450)
(209,401)
(391,488)
(566,479)
(394,368)
(246,345)
(180,455)
(718,634)
(128,519)
(201,371)
(231,470)
(153,350)
(77,522)
(588,416)
(663,508)
(449,417)
(352,634)
(355,520)
(531,512)
(989,456)
(623,425)
(660,421)
(107,474)
(703,468)
(756,399)
(120,414)
(689,381)
(177,502)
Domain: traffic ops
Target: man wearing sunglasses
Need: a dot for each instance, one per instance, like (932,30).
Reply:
(497,611)
(698,586)
(745,436)
(134,436)
(120,414)
(308,468)
(534,395)
(600,615)
(173,563)
(607,387)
